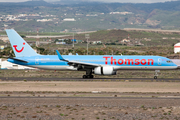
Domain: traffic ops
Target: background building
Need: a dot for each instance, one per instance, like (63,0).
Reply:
(177,48)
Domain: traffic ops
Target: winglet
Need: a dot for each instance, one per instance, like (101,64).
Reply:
(60,57)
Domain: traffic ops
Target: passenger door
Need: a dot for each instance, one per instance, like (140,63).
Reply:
(159,61)
(37,60)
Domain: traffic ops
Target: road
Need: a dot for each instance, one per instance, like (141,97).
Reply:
(152,30)
(57,36)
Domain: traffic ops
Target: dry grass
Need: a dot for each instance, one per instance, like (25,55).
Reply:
(78,74)
(85,109)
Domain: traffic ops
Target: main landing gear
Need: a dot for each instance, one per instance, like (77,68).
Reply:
(156,74)
(88,74)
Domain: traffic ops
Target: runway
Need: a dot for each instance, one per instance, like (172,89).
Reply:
(53,97)
(95,79)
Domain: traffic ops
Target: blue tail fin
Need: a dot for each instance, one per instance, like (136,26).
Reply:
(20,47)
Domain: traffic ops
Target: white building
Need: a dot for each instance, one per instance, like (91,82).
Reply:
(122,13)
(96,42)
(69,19)
(60,43)
(6,65)
(125,41)
(44,20)
(177,48)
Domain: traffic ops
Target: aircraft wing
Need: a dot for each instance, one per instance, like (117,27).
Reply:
(83,63)
(77,63)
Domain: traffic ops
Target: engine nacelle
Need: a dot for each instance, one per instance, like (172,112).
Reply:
(104,71)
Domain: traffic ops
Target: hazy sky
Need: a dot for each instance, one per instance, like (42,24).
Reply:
(122,1)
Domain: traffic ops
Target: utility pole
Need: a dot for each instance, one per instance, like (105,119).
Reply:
(37,40)
(74,30)
(73,40)
(87,37)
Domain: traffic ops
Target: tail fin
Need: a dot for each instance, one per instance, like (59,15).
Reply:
(20,47)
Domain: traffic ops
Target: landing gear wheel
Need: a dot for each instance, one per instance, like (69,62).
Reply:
(156,74)
(91,76)
(84,76)
(88,76)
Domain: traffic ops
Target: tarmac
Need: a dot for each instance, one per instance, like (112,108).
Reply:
(95,79)
(53,97)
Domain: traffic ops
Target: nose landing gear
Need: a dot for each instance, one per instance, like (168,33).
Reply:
(155,77)
(156,74)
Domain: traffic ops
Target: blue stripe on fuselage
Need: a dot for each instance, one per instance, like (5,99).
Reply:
(124,60)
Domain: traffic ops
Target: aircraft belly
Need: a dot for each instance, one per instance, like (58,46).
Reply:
(53,67)
(145,67)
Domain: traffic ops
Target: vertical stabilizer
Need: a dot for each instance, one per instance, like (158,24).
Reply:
(20,47)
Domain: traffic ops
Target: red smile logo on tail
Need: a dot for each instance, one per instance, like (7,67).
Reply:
(15,47)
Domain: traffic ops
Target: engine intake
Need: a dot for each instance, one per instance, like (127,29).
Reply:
(104,71)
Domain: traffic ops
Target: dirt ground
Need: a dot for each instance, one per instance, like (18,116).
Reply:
(90,86)
(74,74)
(89,109)
(89,100)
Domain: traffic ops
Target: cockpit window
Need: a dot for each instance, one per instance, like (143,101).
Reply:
(169,61)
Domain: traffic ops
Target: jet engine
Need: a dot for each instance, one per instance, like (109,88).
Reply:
(104,71)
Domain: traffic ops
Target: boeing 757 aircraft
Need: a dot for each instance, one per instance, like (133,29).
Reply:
(92,64)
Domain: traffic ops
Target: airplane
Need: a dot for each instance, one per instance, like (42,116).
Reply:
(91,64)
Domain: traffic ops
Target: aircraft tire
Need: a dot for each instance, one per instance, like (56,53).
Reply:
(155,77)
(88,76)
(84,76)
(91,76)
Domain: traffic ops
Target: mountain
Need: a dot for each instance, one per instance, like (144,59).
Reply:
(167,6)
(73,2)
(34,3)
(27,3)
(92,15)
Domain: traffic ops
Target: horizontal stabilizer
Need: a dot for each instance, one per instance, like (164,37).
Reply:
(19,60)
